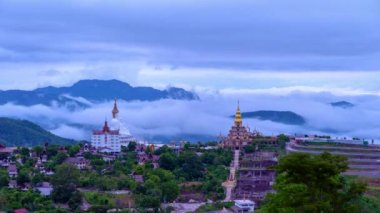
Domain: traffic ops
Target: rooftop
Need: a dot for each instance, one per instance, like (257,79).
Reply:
(75,160)
(12,168)
(244,202)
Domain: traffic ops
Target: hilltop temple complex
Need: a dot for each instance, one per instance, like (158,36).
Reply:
(112,138)
(239,136)
(251,173)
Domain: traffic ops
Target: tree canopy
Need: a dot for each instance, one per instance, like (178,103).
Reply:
(313,183)
(65,181)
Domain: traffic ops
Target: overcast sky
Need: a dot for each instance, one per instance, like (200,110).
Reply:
(240,45)
(304,54)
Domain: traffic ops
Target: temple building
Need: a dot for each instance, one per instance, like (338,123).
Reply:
(106,140)
(238,136)
(112,137)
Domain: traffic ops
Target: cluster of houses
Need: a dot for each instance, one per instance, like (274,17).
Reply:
(9,161)
(9,153)
(143,156)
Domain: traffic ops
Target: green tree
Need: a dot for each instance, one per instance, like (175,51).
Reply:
(208,157)
(24,152)
(212,183)
(52,150)
(163,149)
(186,146)
(164,175)
(59,158)
(75,201)
(148,201)
(11,199)
(168,161)
(170,191)
(4,178)
(132,146)
(283,138)
(38,150)
(74,149)
(37,178)
(23,177)
(106,183)
(312,183)
(191,165)
(65,181)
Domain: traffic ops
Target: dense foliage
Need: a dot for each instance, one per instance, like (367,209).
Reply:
(215,207)
(65,182)
(11,199)
(207,168)
(192,164)
(313,183)
(4,178)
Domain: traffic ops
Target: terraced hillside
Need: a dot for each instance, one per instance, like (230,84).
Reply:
(363,160)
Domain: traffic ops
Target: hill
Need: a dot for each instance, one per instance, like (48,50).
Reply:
(25,133)
(342,104)
(93,91)
(285,117)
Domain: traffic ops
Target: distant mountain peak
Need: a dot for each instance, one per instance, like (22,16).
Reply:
(97,82)
(342,104)
(284,117)
(94,91)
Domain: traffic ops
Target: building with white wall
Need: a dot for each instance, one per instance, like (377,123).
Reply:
(112,137)
(106,140)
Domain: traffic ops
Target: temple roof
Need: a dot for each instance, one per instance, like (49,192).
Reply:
(106,130)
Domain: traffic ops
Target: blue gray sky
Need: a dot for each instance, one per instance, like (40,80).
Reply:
(241,45)
(293,55)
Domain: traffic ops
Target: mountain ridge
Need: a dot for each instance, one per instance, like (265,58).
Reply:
(16,132)
(284,117)
(94,91)
(342,104)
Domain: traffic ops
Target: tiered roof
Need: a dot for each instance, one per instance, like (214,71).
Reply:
(106,130)
(238,135)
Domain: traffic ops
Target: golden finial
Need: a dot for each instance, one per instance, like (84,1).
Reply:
(115,110)
(238,118)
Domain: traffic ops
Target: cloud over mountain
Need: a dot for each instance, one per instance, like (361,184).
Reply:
(291,55)
(211,116)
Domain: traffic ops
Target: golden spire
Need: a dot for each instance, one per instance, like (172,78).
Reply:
(115,110)
(238,118)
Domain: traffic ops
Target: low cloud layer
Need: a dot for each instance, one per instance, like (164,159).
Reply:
(210,116)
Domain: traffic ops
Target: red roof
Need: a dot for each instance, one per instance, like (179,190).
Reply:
(23,210)
(105,130)
(7,150)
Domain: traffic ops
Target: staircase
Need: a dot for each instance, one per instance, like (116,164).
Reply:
(230,184)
